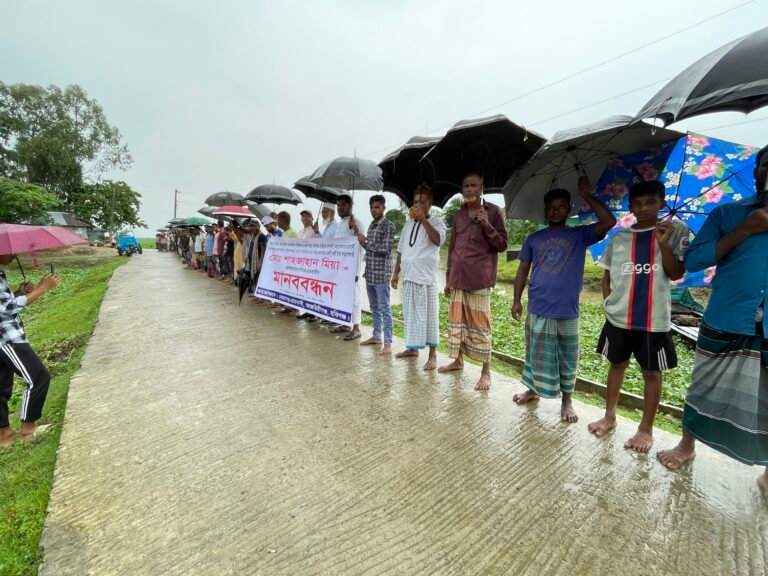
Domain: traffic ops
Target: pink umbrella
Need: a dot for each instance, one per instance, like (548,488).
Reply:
(18,238)
(234,212)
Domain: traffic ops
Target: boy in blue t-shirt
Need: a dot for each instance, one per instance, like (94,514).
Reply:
(639,263)
(556,256)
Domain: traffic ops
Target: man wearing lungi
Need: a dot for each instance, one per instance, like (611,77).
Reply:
(418,260)
(556,255)
(727,403)
(478,236)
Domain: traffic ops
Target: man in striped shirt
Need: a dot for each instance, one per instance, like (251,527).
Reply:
(639,263)
(17,356)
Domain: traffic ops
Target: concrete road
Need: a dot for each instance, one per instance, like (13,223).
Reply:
(210,439)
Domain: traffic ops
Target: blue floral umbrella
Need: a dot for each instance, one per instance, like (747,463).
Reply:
(698,172)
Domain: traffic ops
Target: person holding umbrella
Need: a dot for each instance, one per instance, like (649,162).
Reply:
(18,357)
(345,229)
(478,236)
(555,256)
(726,406)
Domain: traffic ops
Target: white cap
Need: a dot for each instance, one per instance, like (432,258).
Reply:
(267,220)
(329,205)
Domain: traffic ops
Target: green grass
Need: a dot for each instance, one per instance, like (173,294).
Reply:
(593,274)
(146,242)
(58,326)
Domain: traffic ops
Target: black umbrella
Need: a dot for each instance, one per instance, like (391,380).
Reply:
(258,209)
(733,77)
(207,211)
(348,174)
(494,146)
(322,193)
(176,221)
(225,199)
(584,150)
(403,171)
(273,194)
(243,283)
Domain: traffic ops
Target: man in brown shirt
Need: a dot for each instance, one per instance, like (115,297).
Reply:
(477,238)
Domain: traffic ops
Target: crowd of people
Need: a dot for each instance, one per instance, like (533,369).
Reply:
(727,402)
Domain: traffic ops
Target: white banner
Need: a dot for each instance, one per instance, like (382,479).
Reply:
(316,276)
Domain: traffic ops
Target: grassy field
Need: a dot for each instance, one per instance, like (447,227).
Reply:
(58,326)
(508,335)
(147,242)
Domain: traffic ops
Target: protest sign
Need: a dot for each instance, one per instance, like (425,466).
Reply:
(315,276)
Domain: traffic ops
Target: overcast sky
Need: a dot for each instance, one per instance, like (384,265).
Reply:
(230,95)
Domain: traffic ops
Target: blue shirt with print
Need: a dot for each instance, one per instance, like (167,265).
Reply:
(741,279)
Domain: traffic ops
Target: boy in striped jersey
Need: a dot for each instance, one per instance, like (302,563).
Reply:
(639,263)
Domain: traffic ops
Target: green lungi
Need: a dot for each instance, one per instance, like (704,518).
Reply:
(727,403)
(551,355)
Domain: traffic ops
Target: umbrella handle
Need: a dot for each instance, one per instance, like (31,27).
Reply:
(24,276)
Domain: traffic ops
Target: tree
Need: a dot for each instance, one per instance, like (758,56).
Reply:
(397,217)
(517,230)
(106,204)
(56,137)
(450,211)
(23,203)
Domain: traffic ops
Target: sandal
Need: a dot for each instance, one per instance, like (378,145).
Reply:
(339,330)
(352,336)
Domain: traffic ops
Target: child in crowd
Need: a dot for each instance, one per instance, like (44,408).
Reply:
(639,263)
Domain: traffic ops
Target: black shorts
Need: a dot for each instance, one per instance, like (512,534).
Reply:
(654,351)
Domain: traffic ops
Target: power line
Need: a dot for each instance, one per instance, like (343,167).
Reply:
(613,59)
(582,71)
(566,78)
(734,124)
(598,102)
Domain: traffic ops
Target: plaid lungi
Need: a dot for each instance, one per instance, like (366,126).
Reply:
(469,324)
(727,403)
(421,315)
(551,355)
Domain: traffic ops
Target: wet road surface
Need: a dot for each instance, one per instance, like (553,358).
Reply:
(205,438)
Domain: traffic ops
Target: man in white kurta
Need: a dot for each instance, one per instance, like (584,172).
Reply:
(418,260)
(343,230)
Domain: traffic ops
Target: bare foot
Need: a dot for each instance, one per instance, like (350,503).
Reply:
(676,457)
(455,365)
(387,350)
(567,413)
(641,442)
(6,436)
(484,383)
(762,483)
(339,330)
(600,427)
(30,431)
(407,354)
(431,363)
(371,342)
(525,397)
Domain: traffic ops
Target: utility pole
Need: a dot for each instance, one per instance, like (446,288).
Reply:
(175,202)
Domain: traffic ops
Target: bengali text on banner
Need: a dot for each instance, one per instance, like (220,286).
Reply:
(315,276)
